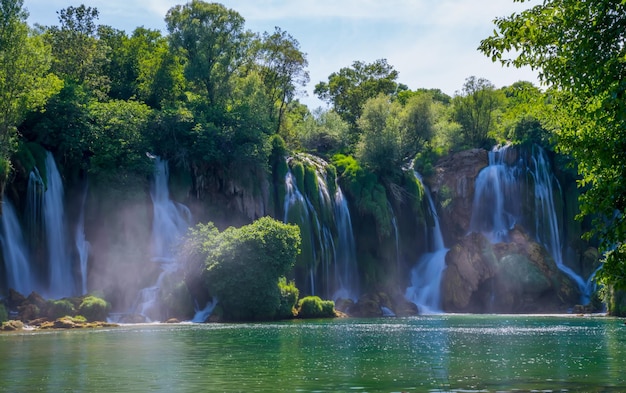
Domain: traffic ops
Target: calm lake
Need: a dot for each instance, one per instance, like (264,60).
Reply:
(464,353)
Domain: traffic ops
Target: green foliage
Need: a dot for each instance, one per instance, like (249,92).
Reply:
(60,308)
(314,307)
(323,132)
(25,83)
(117,137)
(176,299)
(243,267)
(94,308)
(212,41)
(392,133)
(78,56)
(288,299)
(282,67)
(349,89)
(475,110)
(364,189)
(579,52)
(4,315)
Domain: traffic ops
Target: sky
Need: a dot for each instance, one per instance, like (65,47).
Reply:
(431,43)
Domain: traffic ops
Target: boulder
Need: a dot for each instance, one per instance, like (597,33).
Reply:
(452,186)
(515,277)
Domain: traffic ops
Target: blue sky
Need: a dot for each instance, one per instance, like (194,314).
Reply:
(432,43)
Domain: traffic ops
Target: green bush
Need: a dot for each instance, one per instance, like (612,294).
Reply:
(288,299)
(60,308)
(94,308)
(244,265)
(314,307)
(4,316)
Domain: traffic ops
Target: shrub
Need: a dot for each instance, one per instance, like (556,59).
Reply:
(60,308)
(4,316)
(288,299)
(314,307)
(244,265)
(94,308)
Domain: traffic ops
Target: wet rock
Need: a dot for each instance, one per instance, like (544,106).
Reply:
(12,325)
(452,186)
(514,277)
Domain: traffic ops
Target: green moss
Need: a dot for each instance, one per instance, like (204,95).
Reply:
(60,308)
(311,186)
(297,169)
(314,307)
(368,194)
(94,308)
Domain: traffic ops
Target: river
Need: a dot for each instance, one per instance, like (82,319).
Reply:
(461,353)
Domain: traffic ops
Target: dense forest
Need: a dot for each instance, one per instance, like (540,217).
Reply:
(219,104)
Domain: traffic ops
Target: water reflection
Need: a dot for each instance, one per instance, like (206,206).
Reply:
(434,353)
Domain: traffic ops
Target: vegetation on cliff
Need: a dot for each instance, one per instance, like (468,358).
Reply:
(220,103)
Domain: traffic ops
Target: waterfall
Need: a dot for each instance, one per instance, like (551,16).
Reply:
(496,205)
(547,228)
(498,201)
(170,222)
(394,224)
(59,261)
(425,289)
(202,315)
(82,245)
(332,270)
(346,271)
(14,250)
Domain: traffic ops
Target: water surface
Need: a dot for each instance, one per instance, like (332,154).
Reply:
(432,353)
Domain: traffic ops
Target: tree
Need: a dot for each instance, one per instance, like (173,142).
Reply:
(349,89)
(78,55)
(243,266)
(25,83)
(578,48)
(283,70)
(212,40)
(392,133)
(475,110)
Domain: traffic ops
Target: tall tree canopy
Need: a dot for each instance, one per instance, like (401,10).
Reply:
(348,89)
(580,52)
(213,42)
(24,79)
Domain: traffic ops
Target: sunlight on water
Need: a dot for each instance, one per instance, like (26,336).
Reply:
(459,353)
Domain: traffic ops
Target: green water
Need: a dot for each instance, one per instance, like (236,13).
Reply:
(435,353)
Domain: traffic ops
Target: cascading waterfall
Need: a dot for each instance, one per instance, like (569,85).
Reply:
(425,289)
(59,261)
(333,270)
(14,250)
(346,272)
(497,203)
(295,200)
(548,230)
(394,224)
(82,245)
(171,221)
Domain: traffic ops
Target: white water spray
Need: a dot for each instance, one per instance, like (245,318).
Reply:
(59,262)
(171,221)
(14,250)
(425,289)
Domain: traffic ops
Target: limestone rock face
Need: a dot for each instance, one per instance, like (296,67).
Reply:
(515,277)
(452,187)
